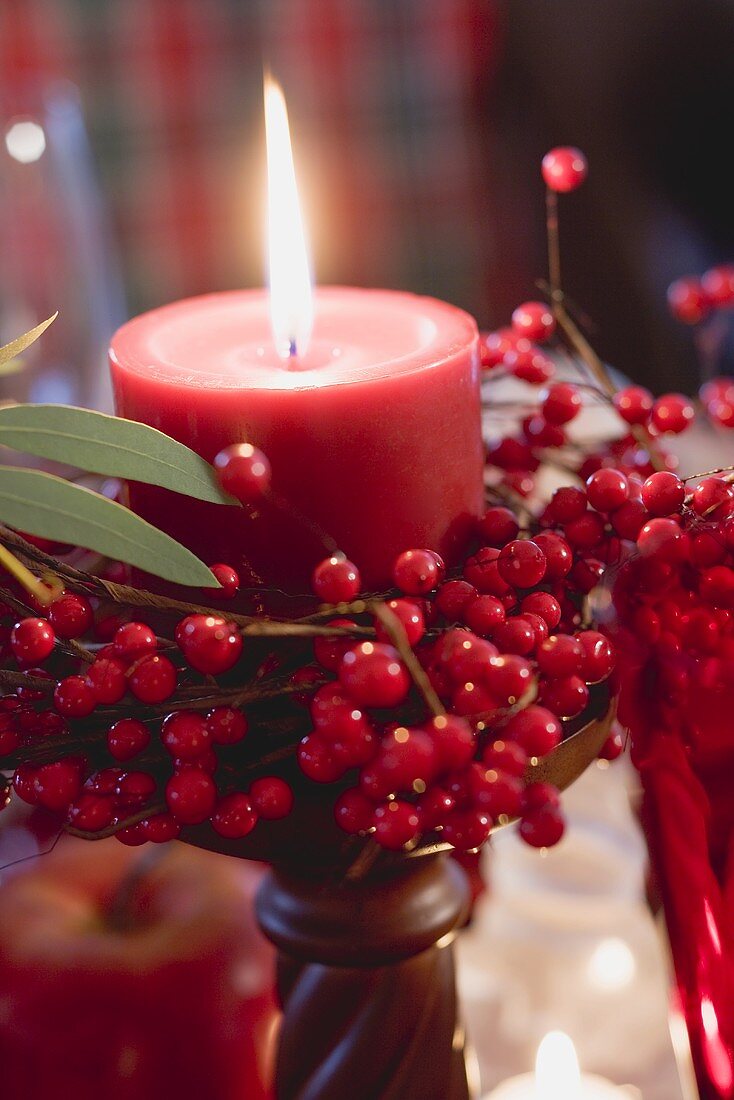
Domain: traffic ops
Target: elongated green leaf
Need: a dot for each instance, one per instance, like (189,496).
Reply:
(15,347)
(111,446)
(52,508)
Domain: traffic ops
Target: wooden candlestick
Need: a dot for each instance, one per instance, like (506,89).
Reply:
(366,981)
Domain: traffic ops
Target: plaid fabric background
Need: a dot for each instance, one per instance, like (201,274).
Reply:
(386,107)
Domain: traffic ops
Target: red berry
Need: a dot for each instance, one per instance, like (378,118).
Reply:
(56,785)
(508,678)
(329,651)
(191,796)
(498,526)
(607,489)
(336,715)
(229,582)
(564,168)
(472,699)
(127,738)
(397,823)
(106,677)
(354,811)
(71,615)
(661,538)
(672,413)
(483,615)
(597,656)
(185,735)
(521,563)
(336,580)
(713,497)
(634,404)
(244,472)
(271,797)
(494,346)
(567,504)
(541,796)
(225,725)
(234,816)
(506,756)
(133,640)
(32,641)
(516,635)
(530,365)
(559,656)
(688,301)
(417,572)
(543,828)
(133,788)
(153,679)
(74,698)
(374,676)
(718,285)
(535,729)
(453,597)
(453,741)
(497,793)
(133,836)
(585,532)
(566,696)
(663,493)
(545,605)
(434,807)
(612,747)
(534,320)
(317,760)
(628,520)
(561,404)
(91,812)
(481,571)
(467,829)
(463,655)
(160,828)
(558,554)
(409,615)
(209,644)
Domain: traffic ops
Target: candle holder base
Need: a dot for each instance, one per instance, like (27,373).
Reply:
(366,982)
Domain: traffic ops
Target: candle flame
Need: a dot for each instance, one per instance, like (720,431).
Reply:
(291,294)
(557,1070)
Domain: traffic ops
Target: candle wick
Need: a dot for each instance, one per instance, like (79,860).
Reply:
(292,348)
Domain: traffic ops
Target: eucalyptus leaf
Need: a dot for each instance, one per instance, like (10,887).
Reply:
(111,446)
(15,347)
(49,507)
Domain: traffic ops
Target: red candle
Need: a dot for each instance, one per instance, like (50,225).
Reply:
(373,435)
(365,402)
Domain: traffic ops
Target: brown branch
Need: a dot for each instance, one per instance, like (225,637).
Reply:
(396,633)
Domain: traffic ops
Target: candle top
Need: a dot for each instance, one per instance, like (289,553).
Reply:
(224,341)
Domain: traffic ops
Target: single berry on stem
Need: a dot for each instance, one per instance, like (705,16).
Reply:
(564,168)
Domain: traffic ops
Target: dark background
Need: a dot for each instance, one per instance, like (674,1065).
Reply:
(419,127)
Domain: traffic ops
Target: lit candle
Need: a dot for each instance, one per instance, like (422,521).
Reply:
(366,403)
(558,1077)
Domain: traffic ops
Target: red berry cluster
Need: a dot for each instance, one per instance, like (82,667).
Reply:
(461,772)
(692,300)
(675,598)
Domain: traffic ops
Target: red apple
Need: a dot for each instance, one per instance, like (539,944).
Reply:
(122,979)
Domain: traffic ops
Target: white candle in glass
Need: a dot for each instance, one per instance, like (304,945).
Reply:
(557,1077)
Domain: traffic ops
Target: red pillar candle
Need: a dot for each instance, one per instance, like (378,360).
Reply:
(373,435)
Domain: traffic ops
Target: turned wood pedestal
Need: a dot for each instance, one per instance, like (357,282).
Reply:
(366,981)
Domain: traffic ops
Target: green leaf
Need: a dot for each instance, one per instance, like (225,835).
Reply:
(45,505)
(110,446)
(15,347)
